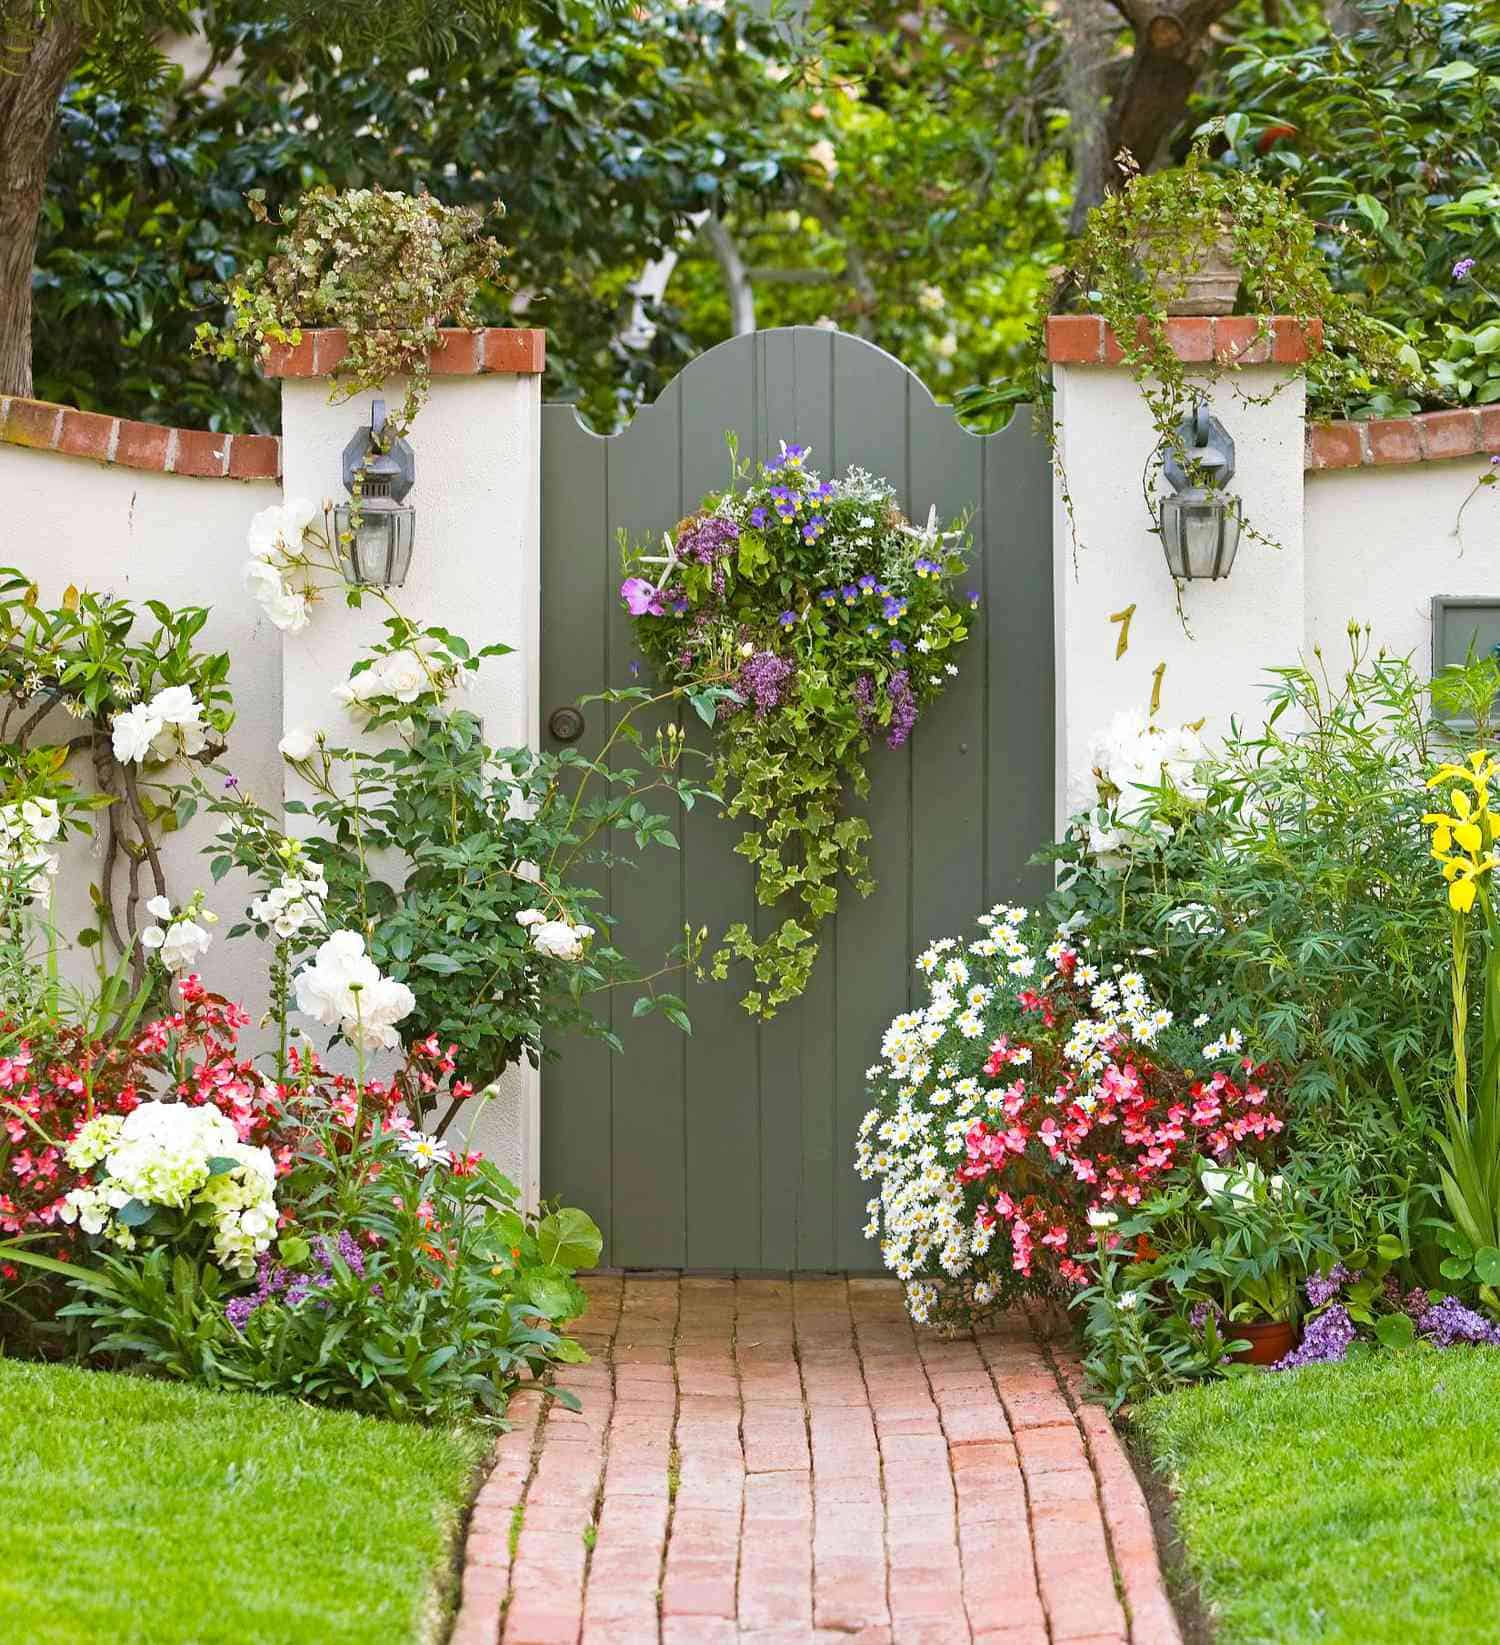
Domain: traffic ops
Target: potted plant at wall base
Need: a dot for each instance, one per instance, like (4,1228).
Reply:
(1259,1245)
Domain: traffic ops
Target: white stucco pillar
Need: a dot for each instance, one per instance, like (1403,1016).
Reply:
(1108,559)
(476,571)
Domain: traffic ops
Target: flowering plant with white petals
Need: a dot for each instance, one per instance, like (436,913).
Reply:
(1037,1095)
(105,706)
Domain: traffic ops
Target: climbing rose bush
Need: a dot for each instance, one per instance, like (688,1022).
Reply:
(1018,1113)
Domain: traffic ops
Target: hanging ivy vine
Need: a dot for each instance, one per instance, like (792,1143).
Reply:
(833,620)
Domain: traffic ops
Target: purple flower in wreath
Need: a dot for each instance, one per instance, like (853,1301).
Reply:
(763,678)
(974,598)
(829,596)
(1463,268)
(894,609)
(850,593)
(868,584)
(814,528)
(903,708)
(640,597)
(788,619)
(897,649)
(758,516)
(786,502)
(711,539)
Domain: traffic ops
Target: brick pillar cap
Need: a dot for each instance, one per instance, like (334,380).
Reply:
(487,351)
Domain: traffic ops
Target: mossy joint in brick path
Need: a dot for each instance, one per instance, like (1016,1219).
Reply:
(788,1461)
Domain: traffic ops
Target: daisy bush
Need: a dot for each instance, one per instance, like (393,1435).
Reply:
(813,620)
(1036,1097)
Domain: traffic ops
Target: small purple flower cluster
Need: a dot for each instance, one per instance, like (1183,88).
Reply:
(903,708)
(1200,1314)
(1323,1288)
(764,677)
(1325,1342)
(289,1285)
(709,540)
(1449,1321)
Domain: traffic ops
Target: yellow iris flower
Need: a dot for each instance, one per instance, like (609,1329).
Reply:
(1461,838)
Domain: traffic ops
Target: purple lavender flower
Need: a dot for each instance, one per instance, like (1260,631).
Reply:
(1449,1321)
(1463,268)
(1325,1342)
(1323,1288)
(764,677)
(238,1311)
(903,708)
(864,701)
(1200,1314)
(709,539)
(348,1249)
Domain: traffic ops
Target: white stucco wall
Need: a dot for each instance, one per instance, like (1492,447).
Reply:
(144,535)
(476,570)
(1236,627)
(1382,540)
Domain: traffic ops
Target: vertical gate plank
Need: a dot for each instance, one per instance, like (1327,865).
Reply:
(874,933)
(795,373)
(1018,636)
(948,747)
(576,599)
(649,1084)
(722,1057)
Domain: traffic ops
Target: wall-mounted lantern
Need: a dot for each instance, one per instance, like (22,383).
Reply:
(376,528)
(1200,523)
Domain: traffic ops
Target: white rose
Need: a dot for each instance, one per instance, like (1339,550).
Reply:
(278,530)
(297,745)
(262,579)
(133,733)
(528,871)
(556,939)
(41,819)
(403,676)
(176,705)
(186,943)
(287,611)
(530,916)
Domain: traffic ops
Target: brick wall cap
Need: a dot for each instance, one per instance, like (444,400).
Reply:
(1084,339)
(1386,442)
(155,448)
(485,351)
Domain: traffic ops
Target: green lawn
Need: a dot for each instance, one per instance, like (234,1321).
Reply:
(1353,1504)
(140,1513)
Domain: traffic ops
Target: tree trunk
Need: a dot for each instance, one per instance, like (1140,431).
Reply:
(1170,41)
(31,81)
(1093,71)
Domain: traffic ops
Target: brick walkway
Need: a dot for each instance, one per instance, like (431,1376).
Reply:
(788,1461)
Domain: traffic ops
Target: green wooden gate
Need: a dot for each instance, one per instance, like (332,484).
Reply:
(731,1149)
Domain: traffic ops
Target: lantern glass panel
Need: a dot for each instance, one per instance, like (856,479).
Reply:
(377,551)
(1200,531)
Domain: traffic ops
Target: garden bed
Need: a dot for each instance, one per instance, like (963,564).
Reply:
(144,1512)
(1350,1504)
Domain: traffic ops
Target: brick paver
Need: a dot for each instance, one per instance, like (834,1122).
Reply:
(787,1461)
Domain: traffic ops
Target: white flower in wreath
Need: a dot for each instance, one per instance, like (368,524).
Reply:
(182,729)
(179,942)
(557,940)
(297,745)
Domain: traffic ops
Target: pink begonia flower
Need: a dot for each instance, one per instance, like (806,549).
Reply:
(639,596)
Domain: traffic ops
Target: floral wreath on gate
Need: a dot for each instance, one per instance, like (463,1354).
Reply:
(808,617)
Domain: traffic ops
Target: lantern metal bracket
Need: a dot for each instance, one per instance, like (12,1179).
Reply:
(1208,447)
(390,462)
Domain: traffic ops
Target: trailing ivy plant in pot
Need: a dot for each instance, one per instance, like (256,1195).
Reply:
(387,269)
(1180,242)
